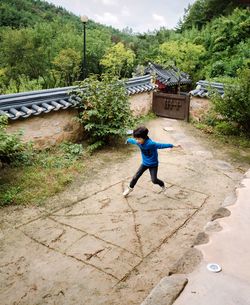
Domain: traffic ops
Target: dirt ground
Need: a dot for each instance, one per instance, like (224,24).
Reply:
(90,246)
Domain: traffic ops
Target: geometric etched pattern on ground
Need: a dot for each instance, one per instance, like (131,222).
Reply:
(114,234)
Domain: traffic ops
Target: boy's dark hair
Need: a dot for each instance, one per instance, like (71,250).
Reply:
(141,132)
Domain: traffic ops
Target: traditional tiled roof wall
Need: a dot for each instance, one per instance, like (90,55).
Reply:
(168,77)
(35,102)
(24,105)
(204,88)
(139,84)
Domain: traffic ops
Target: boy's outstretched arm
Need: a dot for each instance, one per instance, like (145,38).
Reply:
(131,141)
(163,145)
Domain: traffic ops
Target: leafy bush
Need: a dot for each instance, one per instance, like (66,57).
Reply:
(11,146)
(72,151)
(235,105)
(218,68)
(226,128)
(105,111)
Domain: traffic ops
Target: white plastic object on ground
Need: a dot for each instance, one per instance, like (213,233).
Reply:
(213,267)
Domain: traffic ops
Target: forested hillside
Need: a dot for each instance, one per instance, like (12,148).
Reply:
(203,11)
(41,45)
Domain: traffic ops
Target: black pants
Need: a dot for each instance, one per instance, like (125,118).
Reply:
(153,174)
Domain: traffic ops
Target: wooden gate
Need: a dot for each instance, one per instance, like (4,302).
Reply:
(172,106)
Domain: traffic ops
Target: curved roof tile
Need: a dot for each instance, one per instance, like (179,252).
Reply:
(204,88)
(169,76)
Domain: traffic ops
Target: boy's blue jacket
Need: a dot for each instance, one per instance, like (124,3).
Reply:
(149,151)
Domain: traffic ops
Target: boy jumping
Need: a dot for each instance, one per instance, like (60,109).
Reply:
(149,157)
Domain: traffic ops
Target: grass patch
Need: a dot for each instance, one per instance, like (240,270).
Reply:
(224,135)
(45,174)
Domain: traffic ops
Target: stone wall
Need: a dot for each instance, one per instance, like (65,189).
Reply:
(199,107)
(49,129)
(141,104)
(53,128)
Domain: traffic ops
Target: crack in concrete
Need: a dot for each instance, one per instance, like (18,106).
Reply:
(93,235)
(180,187)
(188,189)
(31,220)
(167,209)
(75,215)
(59,236)
(49,295)
(66,249)
(189,205)
(90,255)
(14,262)
(223,173)
(91,214)
(229,176)
(185,167)
(68,255)
(7,264)
(136,226)
(24,295)
(127,212)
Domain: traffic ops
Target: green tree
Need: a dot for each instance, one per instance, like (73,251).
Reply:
(98,42)
(27,52)
(203,11)
(31,51)
(118,60)
(183,54)
(67,67)
(227,42)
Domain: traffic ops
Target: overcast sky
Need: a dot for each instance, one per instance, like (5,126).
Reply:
(140,15)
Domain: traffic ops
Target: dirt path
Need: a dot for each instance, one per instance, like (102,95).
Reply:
(100,248)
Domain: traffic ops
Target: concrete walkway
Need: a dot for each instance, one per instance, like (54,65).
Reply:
(91,246)
(230,248)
